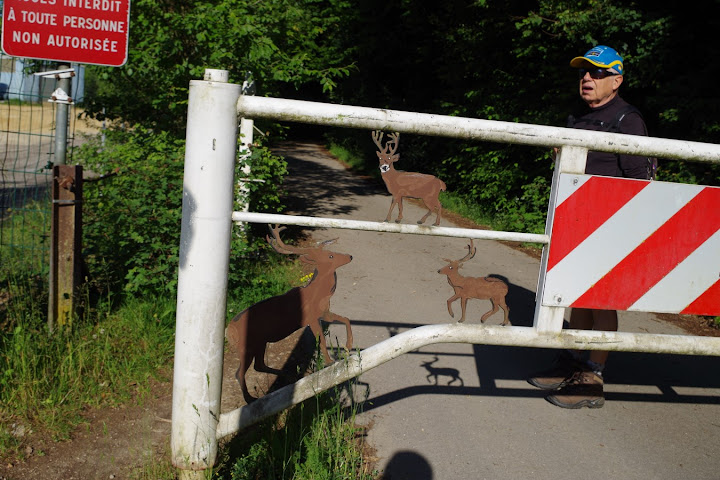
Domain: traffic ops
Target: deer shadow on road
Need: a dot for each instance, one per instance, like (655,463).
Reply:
(670,374)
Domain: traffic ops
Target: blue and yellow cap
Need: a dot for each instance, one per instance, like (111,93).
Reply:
(601,56)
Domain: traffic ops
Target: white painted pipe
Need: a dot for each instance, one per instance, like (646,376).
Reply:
(549,318)
(273,218)
(210,153)
(472,128)
(405,342)
(246,140)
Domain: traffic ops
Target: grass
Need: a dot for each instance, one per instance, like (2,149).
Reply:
(352,159)
(105,358)
(316,439)
(25,238)
(48,380)
(156,468)
(455,203)
(108,356)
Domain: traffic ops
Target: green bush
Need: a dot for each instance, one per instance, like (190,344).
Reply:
(133,212)
(131,216)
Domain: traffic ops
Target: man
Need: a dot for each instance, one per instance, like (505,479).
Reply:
(576,382)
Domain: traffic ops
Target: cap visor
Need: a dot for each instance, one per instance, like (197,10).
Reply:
(578,62)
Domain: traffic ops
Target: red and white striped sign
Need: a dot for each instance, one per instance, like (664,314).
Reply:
(624,244)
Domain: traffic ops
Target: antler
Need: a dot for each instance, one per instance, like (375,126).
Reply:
(470,254)
(279,246)
(427,364)
(395,140)
(377,136)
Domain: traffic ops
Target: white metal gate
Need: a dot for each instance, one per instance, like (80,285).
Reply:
(212,129)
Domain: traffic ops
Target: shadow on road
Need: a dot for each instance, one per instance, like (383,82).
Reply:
(407,464)
(661,378)
(520,301)
(333,185)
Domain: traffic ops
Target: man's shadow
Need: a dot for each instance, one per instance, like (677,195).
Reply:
(407,465)
(664,371)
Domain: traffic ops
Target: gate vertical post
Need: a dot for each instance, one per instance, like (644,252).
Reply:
(210,152)
(246,140)
(569,160)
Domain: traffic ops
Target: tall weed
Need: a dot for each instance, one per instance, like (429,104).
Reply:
(47,380)
(317,439)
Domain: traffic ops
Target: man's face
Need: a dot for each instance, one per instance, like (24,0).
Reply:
(597,86)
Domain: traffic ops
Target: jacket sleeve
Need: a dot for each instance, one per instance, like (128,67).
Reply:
(633,166)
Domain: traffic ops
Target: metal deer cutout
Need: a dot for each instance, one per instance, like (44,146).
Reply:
(407,184)
(278,317)
(465,288)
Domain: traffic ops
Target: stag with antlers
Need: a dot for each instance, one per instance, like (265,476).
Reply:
(406,184)
(465,288)
(273,319)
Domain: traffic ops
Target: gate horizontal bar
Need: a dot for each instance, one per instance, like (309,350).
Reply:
(273,218)
(358,363)
(317,113)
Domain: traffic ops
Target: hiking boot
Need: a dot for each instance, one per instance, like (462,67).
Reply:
(559,375)
(585,389)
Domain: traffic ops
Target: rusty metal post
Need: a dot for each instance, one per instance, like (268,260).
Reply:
(65,244)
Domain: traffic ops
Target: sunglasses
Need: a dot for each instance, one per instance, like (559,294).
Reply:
(595,73)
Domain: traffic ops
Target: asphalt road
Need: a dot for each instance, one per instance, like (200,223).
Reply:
(456,411)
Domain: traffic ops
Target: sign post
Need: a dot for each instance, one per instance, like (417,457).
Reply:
(66,31)
(75,31)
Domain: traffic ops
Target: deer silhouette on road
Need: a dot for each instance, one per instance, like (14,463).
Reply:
(273,319)
(435,372)
(406,184)
(465,288)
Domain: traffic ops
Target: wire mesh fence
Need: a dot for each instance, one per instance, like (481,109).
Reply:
(27,142)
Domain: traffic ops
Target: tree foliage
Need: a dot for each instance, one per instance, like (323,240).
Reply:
(133,211)
(486,59)
(509,61)
(286,44)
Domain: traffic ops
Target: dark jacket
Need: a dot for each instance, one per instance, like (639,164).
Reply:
(611,164)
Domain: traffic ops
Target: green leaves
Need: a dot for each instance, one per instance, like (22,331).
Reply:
(132,217)
(282,42)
